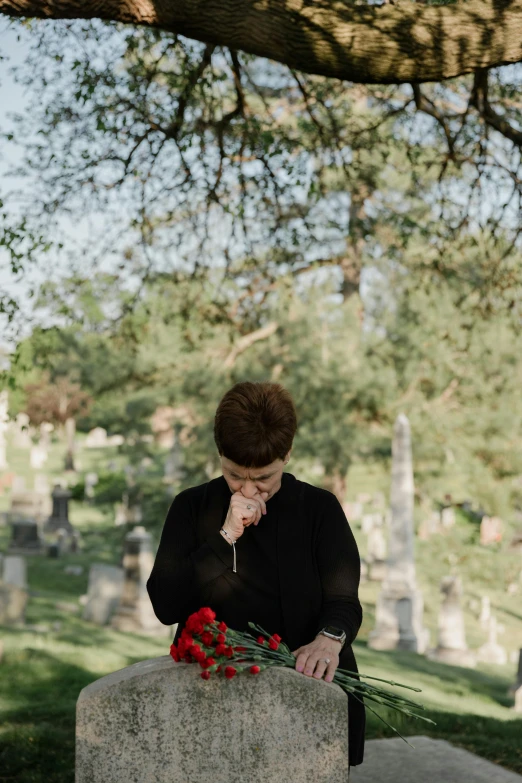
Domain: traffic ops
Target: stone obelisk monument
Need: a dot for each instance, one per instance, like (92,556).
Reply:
(399,605)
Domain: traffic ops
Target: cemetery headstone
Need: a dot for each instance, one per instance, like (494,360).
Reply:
(14,571)
(451,645)
(96,438)
(367,523)
(430,525)
(399,610)
(73,570)
(37,457)
(25,538)
(485,611)
(115,440)
(22,436)
(103,593)
(353,511)
(45,435)
(516,541)
(447,517)
(28,504)
(120,515)
(298,727)
(18,484)
(379,501)
(75,540)
(376,554)
(6,480)
(13,601)
(490,530)
(492,651)
(91,479)
(135,612)
(58,542)
(41,484)
(60,514)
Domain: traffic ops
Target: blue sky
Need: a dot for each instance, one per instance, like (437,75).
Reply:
(11,100)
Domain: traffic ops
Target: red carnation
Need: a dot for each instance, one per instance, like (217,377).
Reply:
(194,624)
(218,669)
(239,649)
(185,642)
(196,652)
(273,644)
(276,637)
(205,675)
(222,627)
(229,652)
(207,662)
(174,652)
(230,672)
(255,670)
(195,627)
(221,638)
(260,639)
(206,615)
(207,638)
(220,649)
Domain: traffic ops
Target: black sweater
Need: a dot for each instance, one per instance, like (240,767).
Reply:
(297,571)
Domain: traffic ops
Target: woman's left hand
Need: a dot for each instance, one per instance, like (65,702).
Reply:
(309,658)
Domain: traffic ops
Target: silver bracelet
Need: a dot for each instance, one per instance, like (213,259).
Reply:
(233,547)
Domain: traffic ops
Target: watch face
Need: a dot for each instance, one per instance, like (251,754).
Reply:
(333,630)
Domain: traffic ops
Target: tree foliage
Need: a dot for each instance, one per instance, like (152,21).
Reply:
(178,157)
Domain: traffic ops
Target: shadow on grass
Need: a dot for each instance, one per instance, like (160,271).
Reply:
(456,679)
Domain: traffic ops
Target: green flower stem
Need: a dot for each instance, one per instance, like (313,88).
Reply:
(379,679)
(349,681)
(367,706)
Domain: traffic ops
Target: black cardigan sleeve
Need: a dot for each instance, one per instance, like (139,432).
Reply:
(184,566)
(340,571)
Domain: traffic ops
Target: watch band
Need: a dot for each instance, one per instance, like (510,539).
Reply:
(341,638)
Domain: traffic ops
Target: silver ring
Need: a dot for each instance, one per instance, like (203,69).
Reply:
(326,660)
(249,507)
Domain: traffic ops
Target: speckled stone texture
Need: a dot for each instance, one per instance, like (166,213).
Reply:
(158,722)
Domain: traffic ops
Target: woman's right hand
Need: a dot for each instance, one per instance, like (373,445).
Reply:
(239,516)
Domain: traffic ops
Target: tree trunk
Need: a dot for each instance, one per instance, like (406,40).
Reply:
(70,432)
(371,44)
(336,483)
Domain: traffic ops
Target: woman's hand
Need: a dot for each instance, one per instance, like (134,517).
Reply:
(309,655)
(239,516)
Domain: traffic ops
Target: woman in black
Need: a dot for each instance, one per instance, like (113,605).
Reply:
(257,544)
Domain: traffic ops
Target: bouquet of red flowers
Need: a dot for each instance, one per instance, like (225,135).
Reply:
(218,648)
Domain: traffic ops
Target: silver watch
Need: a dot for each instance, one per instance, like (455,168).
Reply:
(334,633)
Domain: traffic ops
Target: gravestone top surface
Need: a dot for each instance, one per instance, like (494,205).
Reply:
(170,726)
(431,761)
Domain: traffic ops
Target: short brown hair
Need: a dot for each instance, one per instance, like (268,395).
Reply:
(255,423)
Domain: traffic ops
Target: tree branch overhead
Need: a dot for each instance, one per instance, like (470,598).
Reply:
(372,44)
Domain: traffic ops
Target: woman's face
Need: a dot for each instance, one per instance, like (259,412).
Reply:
(251,481)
